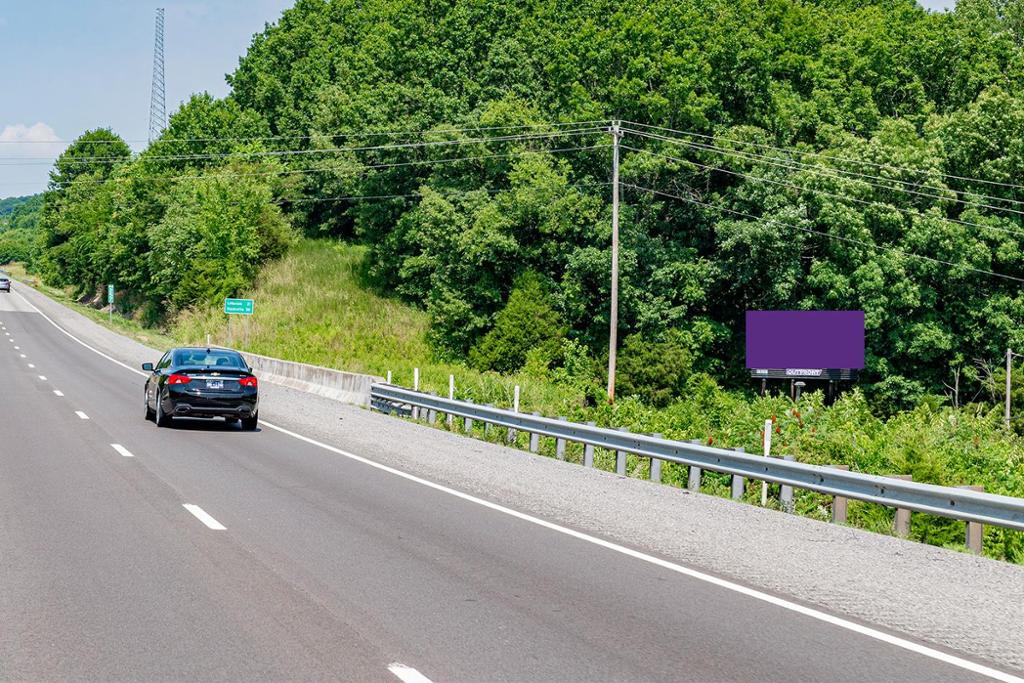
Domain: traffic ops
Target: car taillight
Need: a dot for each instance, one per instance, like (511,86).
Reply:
(179,379)
(247,382)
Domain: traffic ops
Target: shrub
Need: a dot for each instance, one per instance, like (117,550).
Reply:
(655,371)
(528,322)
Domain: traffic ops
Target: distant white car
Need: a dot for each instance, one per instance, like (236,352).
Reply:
(5,282)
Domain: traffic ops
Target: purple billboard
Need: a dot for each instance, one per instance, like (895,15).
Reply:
(810,340)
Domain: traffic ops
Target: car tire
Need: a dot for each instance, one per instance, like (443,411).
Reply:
(249,424)
(162,419)
(149,411)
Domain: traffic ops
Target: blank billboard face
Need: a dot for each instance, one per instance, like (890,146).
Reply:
(805,339)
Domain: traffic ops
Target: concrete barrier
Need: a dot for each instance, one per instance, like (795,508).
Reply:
(349,387)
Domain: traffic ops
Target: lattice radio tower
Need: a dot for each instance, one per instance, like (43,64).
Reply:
(157,100)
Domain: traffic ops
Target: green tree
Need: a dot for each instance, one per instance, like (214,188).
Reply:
(526,324)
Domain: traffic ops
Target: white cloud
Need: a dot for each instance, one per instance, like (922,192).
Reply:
(30,150)
(19,132)
(38,141)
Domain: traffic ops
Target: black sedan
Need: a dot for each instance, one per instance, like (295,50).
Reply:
(202,382)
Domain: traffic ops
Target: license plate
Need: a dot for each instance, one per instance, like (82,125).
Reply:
(214,384)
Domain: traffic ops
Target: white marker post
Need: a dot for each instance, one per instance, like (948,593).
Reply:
(767,452)
(515,409)
(451,396)
(415,387)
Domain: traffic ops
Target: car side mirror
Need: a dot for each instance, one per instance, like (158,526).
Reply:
(148,367)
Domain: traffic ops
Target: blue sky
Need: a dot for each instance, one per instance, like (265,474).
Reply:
(71,65)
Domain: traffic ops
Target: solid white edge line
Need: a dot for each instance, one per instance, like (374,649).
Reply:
(839,622)
(122,450)
(407,674)
(204,517)
(58,392)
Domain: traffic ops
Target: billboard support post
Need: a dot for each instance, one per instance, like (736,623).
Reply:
(1009,371)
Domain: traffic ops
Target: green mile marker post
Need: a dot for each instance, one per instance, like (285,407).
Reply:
(110,300)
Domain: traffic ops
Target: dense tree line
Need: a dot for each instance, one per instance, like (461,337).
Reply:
(843,139)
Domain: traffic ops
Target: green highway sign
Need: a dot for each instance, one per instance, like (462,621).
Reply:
(238,306)
(110,294)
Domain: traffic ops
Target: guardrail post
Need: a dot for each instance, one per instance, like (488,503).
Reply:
(901,523)
(693,480)
(656,465)
(389,377)
(839,503)
(620,458)
(588,450)
(487,425)
(431,413)
(560,444)
(975,530)
(451,397)
(515,409)
(738,482)
(786,491)
(534,438)
(468,424)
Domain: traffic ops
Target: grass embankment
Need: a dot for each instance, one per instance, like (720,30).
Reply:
(311,307)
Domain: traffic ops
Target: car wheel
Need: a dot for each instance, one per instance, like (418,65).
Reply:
(149,411)
(249,423)
(162,419)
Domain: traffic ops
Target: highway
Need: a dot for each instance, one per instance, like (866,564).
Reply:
(202,552)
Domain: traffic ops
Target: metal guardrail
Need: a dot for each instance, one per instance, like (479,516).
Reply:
(957,503)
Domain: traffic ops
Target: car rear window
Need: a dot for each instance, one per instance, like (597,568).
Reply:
(212,358)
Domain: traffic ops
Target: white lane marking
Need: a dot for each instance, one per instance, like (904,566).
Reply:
(42,377)
(17,348)
(11,340)
(122,450)
(407,674)
(31,366)
(76,339)
(58,392)
(204,517)
(81,415)
(21,354)
(839,622)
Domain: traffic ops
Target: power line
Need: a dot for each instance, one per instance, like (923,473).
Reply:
(825,193)
(332,150)
(870,245)
(824,172)
(451,193)
(289,171)
(831,157)
(339,134)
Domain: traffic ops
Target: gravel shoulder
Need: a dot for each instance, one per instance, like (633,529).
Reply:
(969,604)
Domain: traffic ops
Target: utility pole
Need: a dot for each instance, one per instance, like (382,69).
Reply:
(613,332)
(157,99)
(1009,369)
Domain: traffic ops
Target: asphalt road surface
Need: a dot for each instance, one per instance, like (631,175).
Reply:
(202,552)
